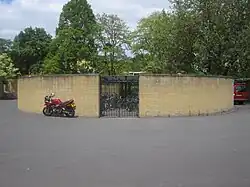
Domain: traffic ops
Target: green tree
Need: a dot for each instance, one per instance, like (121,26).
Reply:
(29,49)
(7,69)
(151,41)
(143,43)
(5,45)
(85,67)
(163,42)
(77,14)
(113,41)
(202,37)
(221,43)
(75,38)
(65,52)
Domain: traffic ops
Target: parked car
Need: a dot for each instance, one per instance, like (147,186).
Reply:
(241,95)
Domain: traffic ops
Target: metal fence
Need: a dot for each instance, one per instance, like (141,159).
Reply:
(119,96)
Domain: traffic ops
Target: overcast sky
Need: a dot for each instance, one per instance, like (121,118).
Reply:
(15,15)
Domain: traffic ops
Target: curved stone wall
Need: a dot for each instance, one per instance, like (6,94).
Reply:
(83,88)
(183,95)
(159,95)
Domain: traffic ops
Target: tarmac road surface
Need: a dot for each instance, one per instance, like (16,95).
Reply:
(38,151)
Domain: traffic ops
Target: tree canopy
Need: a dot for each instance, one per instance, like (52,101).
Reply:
(75,38)
(194,37)
(5,45)
(29,49)
(7,69)
(113,41)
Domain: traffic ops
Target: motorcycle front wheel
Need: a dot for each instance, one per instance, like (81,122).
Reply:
(47,111)
(70,112)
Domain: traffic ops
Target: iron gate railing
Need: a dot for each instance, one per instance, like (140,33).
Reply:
(119,96)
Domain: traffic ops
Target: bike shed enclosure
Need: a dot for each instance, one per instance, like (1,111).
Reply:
(158,95)
(119,96)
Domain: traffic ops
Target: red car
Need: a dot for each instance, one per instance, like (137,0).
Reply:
(241,95)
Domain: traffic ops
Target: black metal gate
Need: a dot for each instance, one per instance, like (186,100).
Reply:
(119,96)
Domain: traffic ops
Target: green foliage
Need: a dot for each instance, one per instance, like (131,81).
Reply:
(52,65)
(85,67)
(113,41)
(75,39)
(5,45)
(7,69)
(197,37)
(77,14)
(202,37)
(220,46)
(152,41)
(29,49)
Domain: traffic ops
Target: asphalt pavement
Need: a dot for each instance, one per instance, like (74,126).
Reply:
(39,151)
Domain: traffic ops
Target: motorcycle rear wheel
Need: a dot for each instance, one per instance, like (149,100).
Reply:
(47,111)
(70,112)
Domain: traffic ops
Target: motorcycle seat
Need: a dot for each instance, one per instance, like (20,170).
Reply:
(67,102)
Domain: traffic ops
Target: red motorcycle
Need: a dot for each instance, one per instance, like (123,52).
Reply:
(54,106)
